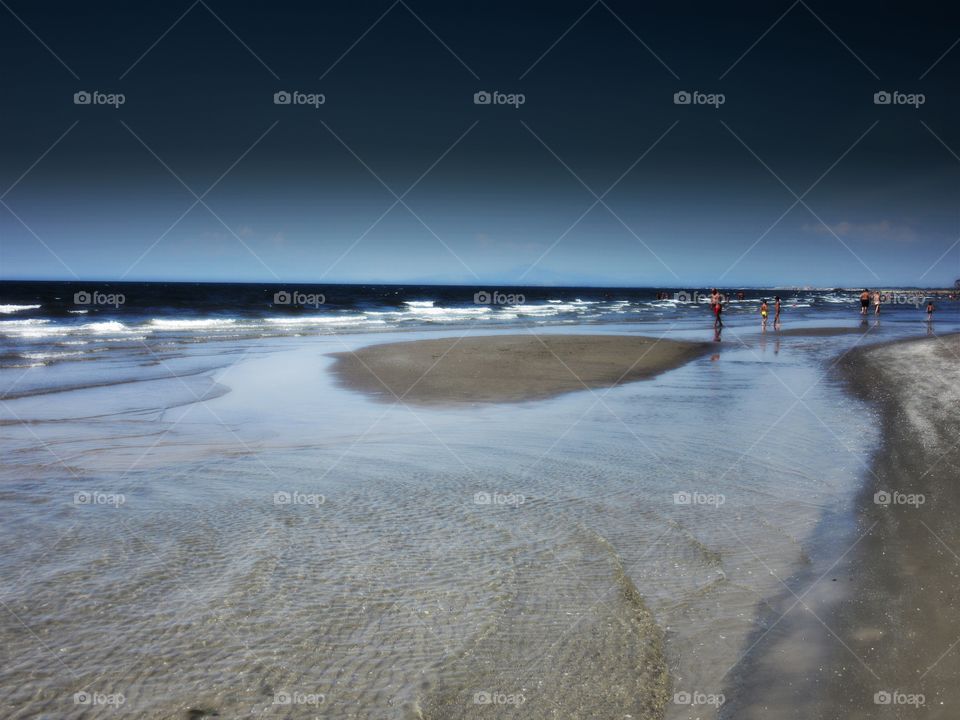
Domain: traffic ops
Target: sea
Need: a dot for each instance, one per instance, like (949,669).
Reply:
(197,520)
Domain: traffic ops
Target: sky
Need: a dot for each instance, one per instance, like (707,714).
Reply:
(587,168)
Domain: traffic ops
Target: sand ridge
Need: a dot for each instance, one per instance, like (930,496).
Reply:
(507,368)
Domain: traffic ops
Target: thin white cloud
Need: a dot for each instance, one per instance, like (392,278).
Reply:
(881,230)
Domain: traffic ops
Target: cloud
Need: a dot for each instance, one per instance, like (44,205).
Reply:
(882,230)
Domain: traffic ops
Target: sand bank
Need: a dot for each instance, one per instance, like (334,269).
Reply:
(507,368)
(884,626)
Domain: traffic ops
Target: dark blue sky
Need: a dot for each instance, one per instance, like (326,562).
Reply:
(503,194)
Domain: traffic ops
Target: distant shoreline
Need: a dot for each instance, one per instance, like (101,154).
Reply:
(490,284)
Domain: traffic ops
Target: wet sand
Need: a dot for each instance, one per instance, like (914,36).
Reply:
(879,635)
(825,331)
(507,368)
(421,586)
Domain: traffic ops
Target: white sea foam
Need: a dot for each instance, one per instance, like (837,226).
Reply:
(319,320)
(540,309)
(53,355)
(552,309)
(199,324)
(431,314)
(35,328)
(22,323)
(107,327)
(435,312)
(8,309)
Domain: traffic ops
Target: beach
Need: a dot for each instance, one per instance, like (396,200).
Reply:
(890,598)
(479,361)
(590,511)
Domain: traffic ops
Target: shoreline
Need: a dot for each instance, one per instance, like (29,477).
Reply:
(506,368)
(885,617)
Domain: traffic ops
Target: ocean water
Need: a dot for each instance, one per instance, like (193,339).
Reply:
(197,520)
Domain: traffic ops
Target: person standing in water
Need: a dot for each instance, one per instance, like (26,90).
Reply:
(876,302)
(930,308)
(864,301)
(716,303)
(776,312)
(764,311)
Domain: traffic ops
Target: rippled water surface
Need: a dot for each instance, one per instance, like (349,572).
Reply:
(215,527)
